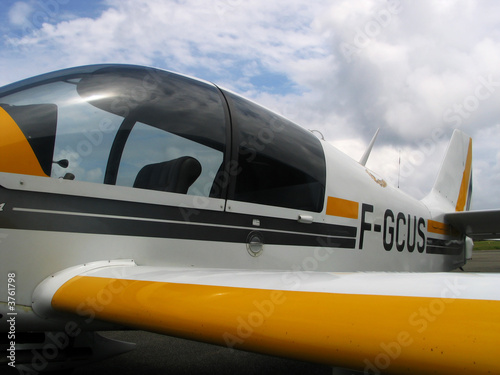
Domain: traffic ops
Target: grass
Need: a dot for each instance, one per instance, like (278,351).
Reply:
(486,245)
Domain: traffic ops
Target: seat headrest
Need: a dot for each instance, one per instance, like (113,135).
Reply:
(174,176)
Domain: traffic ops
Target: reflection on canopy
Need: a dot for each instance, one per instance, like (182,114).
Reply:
(179,105)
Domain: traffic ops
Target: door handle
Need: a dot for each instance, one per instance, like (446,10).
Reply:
(305,219)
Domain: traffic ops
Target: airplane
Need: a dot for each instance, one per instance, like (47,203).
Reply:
(137,198)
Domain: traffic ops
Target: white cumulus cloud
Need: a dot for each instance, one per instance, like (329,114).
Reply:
(343,67)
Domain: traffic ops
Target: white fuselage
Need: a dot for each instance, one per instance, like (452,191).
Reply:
(55,224)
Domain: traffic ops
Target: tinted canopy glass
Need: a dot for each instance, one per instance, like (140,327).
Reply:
(281,163)
(108,124)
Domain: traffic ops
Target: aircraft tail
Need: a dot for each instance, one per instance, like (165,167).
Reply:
(453,187)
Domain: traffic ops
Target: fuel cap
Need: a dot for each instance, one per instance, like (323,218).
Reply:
(255,243)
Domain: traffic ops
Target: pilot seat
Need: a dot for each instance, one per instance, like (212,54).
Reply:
(175,176)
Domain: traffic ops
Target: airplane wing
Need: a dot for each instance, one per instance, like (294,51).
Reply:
(412,323)
(479,225)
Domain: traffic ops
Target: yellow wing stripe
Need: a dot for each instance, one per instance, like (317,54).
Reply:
(16,154)
(390,334)
(342,207)
(464,187)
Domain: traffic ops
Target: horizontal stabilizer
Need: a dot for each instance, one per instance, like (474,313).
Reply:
(479,225)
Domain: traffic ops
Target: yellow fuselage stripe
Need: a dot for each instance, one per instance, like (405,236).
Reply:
(342,208)
(16,154)
(410,335)
(438,227)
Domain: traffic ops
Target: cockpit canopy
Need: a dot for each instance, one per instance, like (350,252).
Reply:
(151,129)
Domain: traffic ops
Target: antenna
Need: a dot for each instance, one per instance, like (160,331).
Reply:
(366,155)
(399,166)
(317,131)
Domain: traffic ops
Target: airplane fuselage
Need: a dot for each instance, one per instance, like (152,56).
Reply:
(267,194)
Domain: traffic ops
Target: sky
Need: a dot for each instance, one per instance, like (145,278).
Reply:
(415,69)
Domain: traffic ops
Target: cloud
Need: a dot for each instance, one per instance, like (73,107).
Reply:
(487,167)
(189,35)
(412,68)
(19,14)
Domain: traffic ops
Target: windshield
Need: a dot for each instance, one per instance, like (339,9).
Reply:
(105,126)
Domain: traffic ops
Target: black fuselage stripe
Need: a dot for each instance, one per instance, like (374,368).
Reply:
(44,221)
(444,247)
(99,206)
(60,213)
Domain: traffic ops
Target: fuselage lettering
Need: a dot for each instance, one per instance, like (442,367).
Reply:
(404,231)
(365,226)
(400,230)
(388,230)
(421,234)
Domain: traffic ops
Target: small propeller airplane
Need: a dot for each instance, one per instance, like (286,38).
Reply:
(132,197)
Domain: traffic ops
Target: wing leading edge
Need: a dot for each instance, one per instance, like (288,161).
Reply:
(391,322)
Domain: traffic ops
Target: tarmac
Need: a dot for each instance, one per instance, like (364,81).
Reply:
(157,354)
